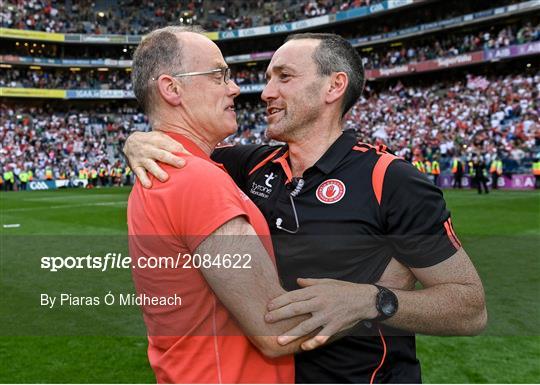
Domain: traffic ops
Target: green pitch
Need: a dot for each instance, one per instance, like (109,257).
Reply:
(501,233)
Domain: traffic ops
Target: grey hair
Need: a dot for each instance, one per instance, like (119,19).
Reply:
(159,52)
(335,54)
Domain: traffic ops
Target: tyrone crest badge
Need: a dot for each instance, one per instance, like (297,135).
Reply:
(330,191)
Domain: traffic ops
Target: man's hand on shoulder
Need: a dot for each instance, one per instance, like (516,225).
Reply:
(144,149)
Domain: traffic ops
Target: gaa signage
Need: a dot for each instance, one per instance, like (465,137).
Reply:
(41,185)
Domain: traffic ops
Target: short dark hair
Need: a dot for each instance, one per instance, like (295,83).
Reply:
(335,54)
(158,53)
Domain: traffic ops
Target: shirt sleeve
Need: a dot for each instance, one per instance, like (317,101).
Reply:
(205,198)
(418,224)
(239,160)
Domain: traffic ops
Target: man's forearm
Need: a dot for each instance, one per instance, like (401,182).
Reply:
(246,292)
(451,303)
(444,309)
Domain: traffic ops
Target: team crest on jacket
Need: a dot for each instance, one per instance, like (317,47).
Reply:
(330,191)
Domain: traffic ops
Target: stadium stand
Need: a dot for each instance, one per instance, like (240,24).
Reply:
(66,142)
(139,17)
(69,140)
(432,48)
(444,78)
(487,116)
(104,79)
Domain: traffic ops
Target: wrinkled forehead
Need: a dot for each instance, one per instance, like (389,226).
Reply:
(199,52)
(295,54)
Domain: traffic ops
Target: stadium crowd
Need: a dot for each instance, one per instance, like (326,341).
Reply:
(453,45)
(246,75)
(112,79)
(65,79)
(84,142)
(233,14)
(488,117)
(495,116)
(378,57)
(140,16)
(67,145)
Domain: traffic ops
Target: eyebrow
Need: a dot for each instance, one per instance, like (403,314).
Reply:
(278,69)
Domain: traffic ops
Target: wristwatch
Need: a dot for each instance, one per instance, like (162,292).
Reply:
(386,303)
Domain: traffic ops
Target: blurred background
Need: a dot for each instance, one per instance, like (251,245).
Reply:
(446,79)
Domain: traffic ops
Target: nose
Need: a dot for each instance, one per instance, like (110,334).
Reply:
(233,89)
(269,92)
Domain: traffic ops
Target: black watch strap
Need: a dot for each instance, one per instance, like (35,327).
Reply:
(386,303)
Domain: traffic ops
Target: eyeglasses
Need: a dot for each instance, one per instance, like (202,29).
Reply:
(225,73)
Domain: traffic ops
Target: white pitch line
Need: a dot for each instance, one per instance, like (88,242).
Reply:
(69,198)
(12,225)
(65,206)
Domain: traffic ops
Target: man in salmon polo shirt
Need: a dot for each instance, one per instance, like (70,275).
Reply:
(208,324)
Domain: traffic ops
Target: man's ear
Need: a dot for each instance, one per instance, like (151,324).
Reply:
(338,85)
(170,90)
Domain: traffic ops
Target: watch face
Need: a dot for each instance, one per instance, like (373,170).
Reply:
(388,308)
(387,303)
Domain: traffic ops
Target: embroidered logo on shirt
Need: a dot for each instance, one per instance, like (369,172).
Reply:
(330,191)
(269,177)
(263,190)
